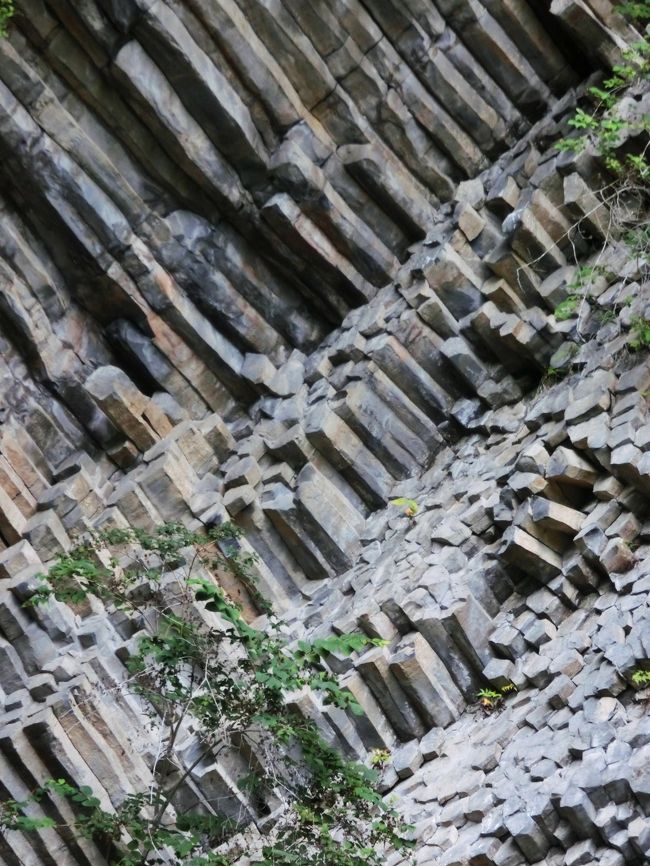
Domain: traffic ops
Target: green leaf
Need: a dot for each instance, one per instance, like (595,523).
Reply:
(209,674)
(567,309)
(408,504)
(23,822)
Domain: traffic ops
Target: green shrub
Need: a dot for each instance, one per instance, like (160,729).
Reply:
(199,663)
(639,333)
(568,308)
(7,11)
(605,126)
(641,678)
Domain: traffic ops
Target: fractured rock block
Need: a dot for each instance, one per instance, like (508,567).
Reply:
(374,667)
(426,681)
(123,403)
(132,500)
(192,444)
(532,241)
(244,471)
(373,727)
(12,673)
(381,430)
(608,488)
(453,279)
(306,239)
(529,836)
(508,642)
(318,524)
(336,526)
(617,557)
(12,521)
(167,483)
(47,534)
(292,447)
(556,517)
(258,369)
(464,360)
(400,366)
(237,498)
(576,808)
(585,207)
(18,557)
(279,504)
(499,672)
(352,236)
(457,634)
(569,468)
(591,33)
(407,759)
(217,434)
(347,453)
(633,465)
(398,191)
(430,308)
(15,488)
(157,419)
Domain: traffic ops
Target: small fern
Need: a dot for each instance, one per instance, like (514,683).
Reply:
(641,678)
(491,699)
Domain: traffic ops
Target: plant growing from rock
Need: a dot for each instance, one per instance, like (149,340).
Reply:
(492,699)
(7,12)
(639,337)
(410,506)
(201,669)
(568,308)
(614,126)
(579,286)
(608,125)
(379,758)
(553,375)
(489,699)
(641,678)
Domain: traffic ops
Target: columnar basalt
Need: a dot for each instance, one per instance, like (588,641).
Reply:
(280,261)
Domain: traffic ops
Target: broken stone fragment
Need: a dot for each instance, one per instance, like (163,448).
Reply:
(554,516)
(123,403)
(407,759)
(499,672)
(237,498)
(47,535)
(531,555)
(617,557)
(16,558)
(568,467)
(244,472)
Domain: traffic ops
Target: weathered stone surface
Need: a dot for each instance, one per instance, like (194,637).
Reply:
(283,262)
(570,468)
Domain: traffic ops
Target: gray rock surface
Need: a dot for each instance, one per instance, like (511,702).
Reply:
(286,261)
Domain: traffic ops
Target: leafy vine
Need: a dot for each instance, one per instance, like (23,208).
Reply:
(199,666)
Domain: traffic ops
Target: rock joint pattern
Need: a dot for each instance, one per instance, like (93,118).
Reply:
(280,261)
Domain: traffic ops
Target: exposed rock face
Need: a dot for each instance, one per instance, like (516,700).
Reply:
(282,260)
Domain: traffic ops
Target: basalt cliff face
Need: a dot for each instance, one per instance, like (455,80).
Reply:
(280,261)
